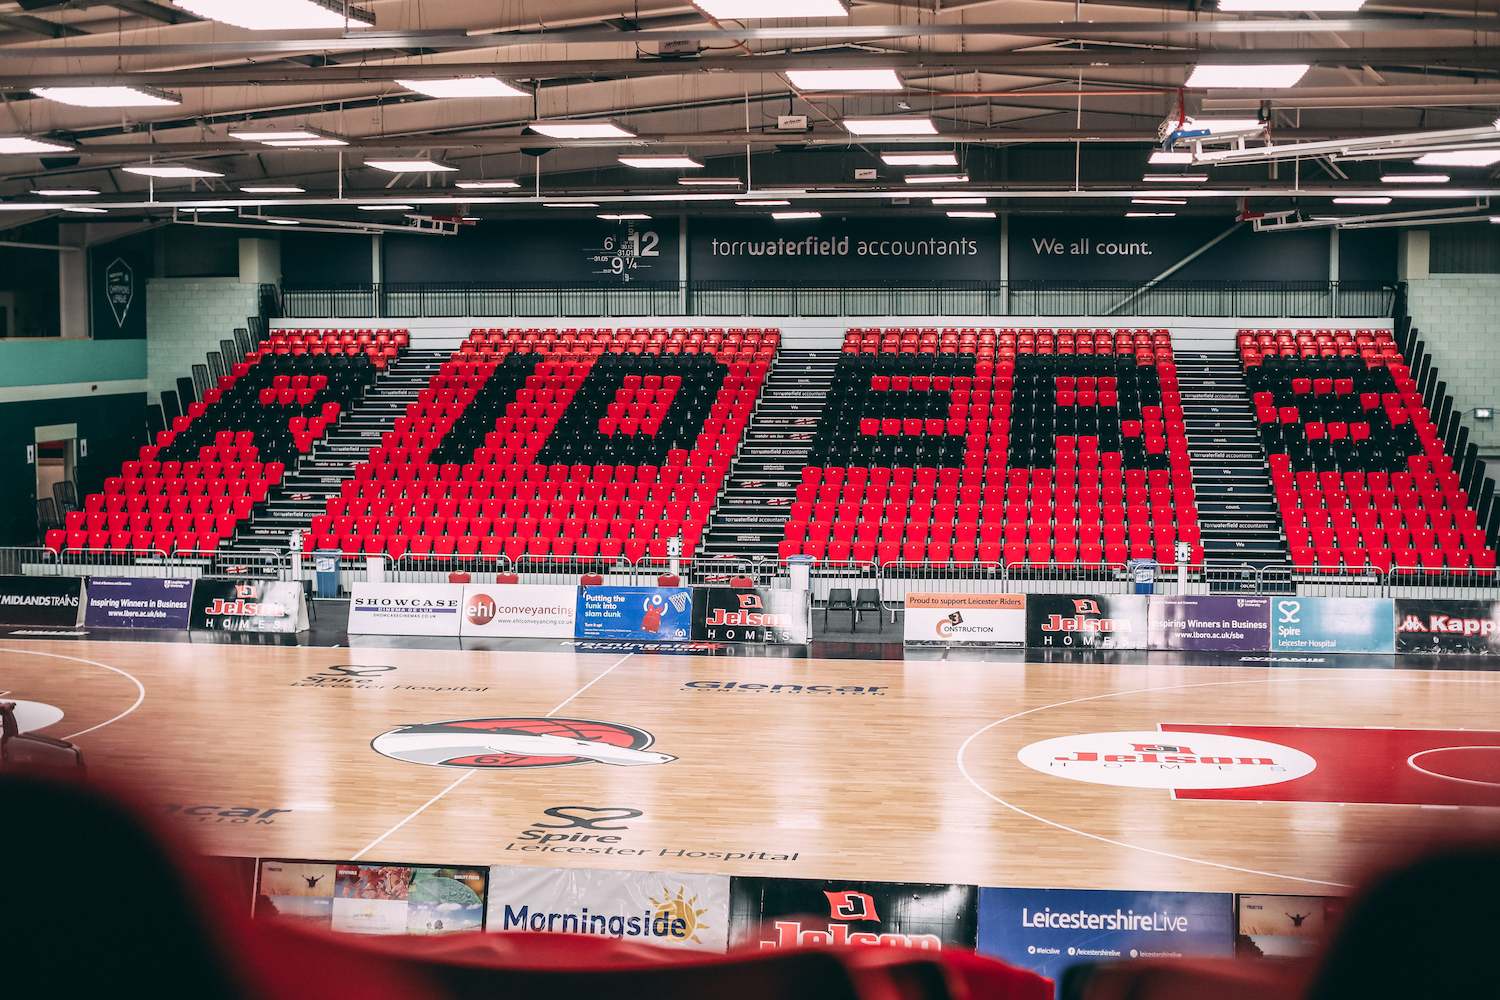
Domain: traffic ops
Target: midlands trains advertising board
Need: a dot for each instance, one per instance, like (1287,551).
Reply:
(55,601)
(966,620)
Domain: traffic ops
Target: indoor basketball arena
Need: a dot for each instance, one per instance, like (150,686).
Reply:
(870,499)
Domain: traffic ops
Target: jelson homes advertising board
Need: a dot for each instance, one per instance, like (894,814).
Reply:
(856,250)
(784,913)
(1084,621)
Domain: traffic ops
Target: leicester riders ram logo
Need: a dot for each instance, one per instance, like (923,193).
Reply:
(518,742)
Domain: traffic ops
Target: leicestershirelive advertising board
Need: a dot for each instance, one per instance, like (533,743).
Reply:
(1086,621)
(784,912)
(966,620)
(669,909)
(1463,628)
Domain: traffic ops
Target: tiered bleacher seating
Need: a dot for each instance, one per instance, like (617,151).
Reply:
(989,344)
(191,487)
(380,346)
(544,452)
(1254,345)
(1361,476)
(939,456)
(729,346)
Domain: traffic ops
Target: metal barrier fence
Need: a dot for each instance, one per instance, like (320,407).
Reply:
(1434,584)
(540,571)
(1250,299)
(30,561)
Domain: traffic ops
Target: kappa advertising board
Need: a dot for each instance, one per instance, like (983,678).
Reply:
(405,609)
(138,602)
(733,614)
(56,601)
(1228,624)
(966,620)
(520,611)
(1463,628)
(1086,621)
(1333,625)
(243,605)
(1048,930)
(651,614)
(668,909)
(784,913)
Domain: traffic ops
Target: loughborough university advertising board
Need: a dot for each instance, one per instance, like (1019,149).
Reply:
(1234,624)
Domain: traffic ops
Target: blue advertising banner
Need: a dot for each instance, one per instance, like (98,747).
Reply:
(121,602)
(1238,624)
(1048,930)
(651,614)
(1333,625)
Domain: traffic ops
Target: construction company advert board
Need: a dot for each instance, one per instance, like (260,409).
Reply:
(785,913)
(966,620)
(645,613)
(519,610)
(372,898)
(668,909)
(405,608)
(1333,625)
(247,605)
(1048,930)
(1085,621)
(138,602)
(1231,624)
(53,601)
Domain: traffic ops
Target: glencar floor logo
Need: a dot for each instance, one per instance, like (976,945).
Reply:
(1167,760)
(519,742)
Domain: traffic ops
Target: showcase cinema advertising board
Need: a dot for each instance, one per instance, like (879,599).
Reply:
(966,620)
(668,909)
(405,609)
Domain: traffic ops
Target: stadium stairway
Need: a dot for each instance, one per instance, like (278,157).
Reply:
(1236,504)
(304,493)
(762,483)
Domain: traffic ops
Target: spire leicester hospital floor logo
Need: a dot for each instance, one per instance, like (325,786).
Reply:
(519,742)
(1167,760)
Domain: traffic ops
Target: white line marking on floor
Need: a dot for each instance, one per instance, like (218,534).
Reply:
(95,663)
(470,773)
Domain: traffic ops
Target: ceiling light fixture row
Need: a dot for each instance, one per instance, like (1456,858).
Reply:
(281,15)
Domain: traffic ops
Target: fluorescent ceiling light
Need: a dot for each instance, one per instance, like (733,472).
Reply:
(386,208)
(1461,158)
(1319,6)
(1254,77)
(270,15)
(195,210)
(627,217)
(465,86)
(920,159)
(1158,201)
(485,185)
(1361,201)
(1160,157)
(22,144)
(762,201)
(305,143)
(416,165)
(64,192)
(938,179)
(1216,126)
(169,170)
(750,10)
(19,206)
(1415,179)
(960,201)
(273,135)
(971,215)
(1174,178)
(844,79)
(570,204)
(890,126)
(710,181)
(109,97)
(283,222)
(271,189)
(668,160)
(582,130)
(1150,215)
(85,210)
(796,215)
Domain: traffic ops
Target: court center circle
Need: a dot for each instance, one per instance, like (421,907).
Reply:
(1147,759)
(1474,765)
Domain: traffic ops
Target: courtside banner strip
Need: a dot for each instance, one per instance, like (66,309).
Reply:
(1220,624)
(966,620)
(56,601)
(405,609)
(652,614)
(522,611)
(1333,625)
(787,913)
(1453,628)
(138,602)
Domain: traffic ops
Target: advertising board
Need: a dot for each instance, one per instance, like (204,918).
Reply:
(966,620)
(1086,621)
(521,611)
(405,608)
(650,614)
(1333,625)
(248,605)
(1280,926)
(138,602)
(1230,624)
(372,898)
(1462,628)
(784,913)
(669,909)
(55,601)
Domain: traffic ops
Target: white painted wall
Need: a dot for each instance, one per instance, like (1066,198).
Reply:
(186,318)
(1458,318)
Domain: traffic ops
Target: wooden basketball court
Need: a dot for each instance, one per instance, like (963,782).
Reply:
(890,770)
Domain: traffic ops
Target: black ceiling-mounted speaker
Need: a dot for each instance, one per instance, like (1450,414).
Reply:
(536,150)
(59,162)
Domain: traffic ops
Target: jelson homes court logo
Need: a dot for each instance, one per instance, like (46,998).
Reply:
(518,742)
(1167,760)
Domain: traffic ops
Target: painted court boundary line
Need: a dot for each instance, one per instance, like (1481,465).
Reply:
(470,773)
(141,688)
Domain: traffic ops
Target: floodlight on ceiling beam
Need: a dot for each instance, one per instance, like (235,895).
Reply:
(413,165)
(844,79)
(1361,200)
(582,130)
(1160,157)
(624,217)
(465,86)
(786,216)
(971,215)
(135,96)
(280,15)
(21,145)
(1268,77)
(709,181)
(759,10)
(889,126)
(169,171)
(1414,179)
